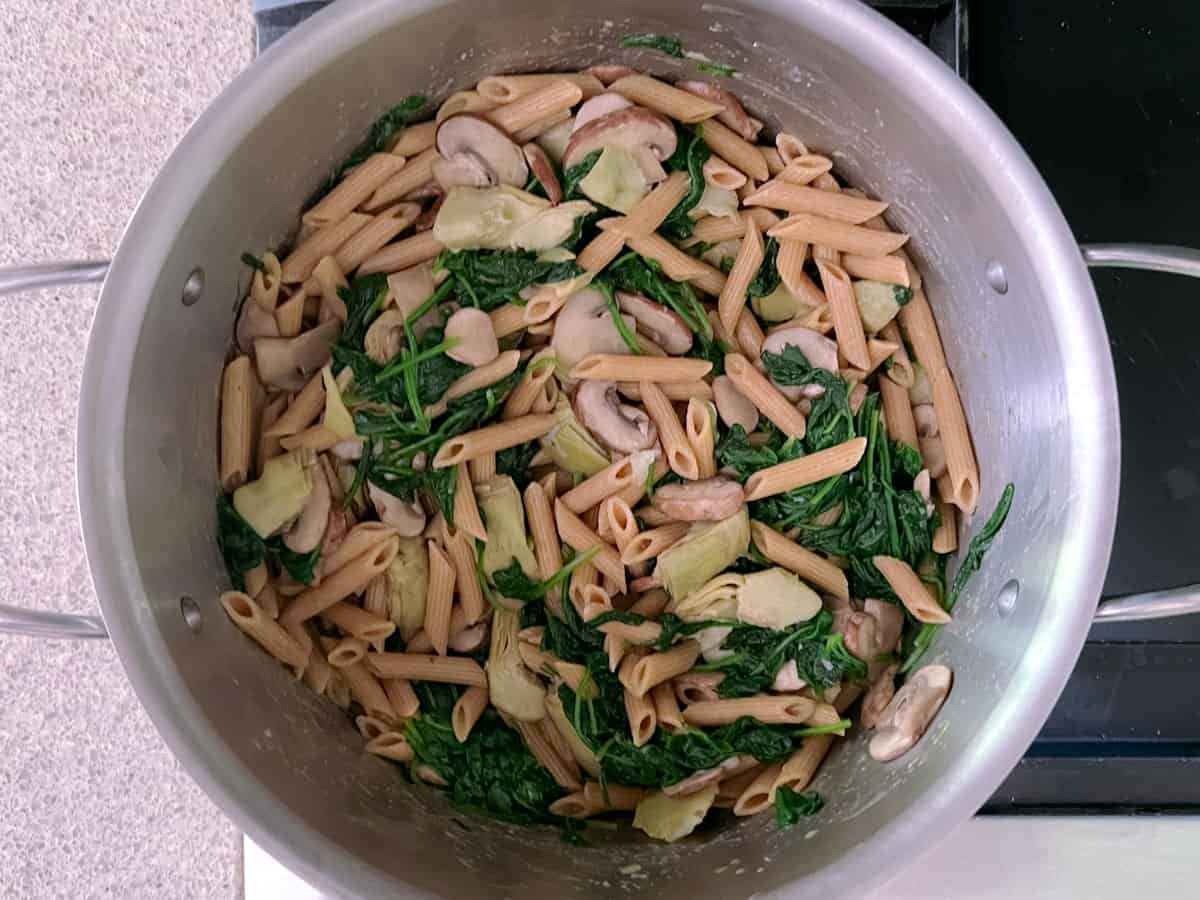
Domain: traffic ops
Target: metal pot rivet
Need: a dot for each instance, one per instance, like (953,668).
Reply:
(193,287)
(997,278)
(1006,600)
(191,612)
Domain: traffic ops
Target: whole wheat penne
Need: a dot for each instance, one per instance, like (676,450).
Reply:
(656,668)
(651,210)
(916,320)
(440,598)
(482,469)
(800,198)
(961,466)
(239,396)
(840,236)
(897,412)
(492,439)
(538,371)
(616,367)
(612,796)
(806,470)
(371,238)
(347,652)
(507,88)
(414,139)
(640,634)
(402,697)
(810,566)
(540,126)
(890,269)
(573,806)
(317,673)
(675,391)
(900,368)
(391,745)
(546,663)
(847,322)
(790,263)
(804,169)
(714,229)
(748,335)
(576,534)
(782,710)
(327,280)
(350,579)
(651,604)
(789,146)
(565,772)
(466,510)
(550,99)
(356,187)
(878,352)
(600,251)
(467,710)
(759,794)
(357,622)
(676,264)
(315,437)
(403,254)
(697,687)
(301,411)
(774,161)
(666,708)
(358,540)
(424,667)
(911,590)
(595,600)
(735,149)
(647,545)
(465,102)
(604,483)
(700,428)
(366,689)
(945,536)
(720,174)
(745,267)
(268,446)
(678,452)
(507,319)
(546,547)
(460,549)
(289,315)
(799,768)
(417,172)
(622,524)
(299,264)
(766,398)
(247,615)
(666,99)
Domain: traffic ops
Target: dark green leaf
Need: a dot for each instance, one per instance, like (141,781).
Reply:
(628,335)
(664,43)
(767,279)
(254,262)
(735,452)
(691,153)
(515,463)
(514,584)
(576,174)
(902,295)
(638,275)
(364,298)
(488,279)
(791,806)
(240,546)
(301,566)
(719,69)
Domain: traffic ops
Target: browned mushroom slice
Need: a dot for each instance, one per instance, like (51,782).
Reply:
(619,426)
(889,622)
(910,711)
(712,499)
(662,325)
(475,153)
(631,129)
(699,780)
(543,170)
(734,115)
(407,517)
(597,108)
(820,351)
(933,454)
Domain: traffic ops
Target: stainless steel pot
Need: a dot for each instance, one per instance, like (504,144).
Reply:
(1022,330)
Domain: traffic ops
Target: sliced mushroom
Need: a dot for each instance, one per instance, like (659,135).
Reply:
(469,639)
(410,288)
(476,153)
(597,108)
(734,114)
(585,326)
(543,169)
(288,363)
(407,517)
(926,418)
(788,680)
(910,711)
(306,532)
(820,351)
(617,425)
(878,696)
(697,781)
(254,322)
(630,128)
(859,631)
(712,499)
(662,325)
(733,406)
(473,328)
(933,454)
(554,140)
(889,622)
(607,73)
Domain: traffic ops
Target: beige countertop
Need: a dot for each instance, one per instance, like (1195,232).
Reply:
(93,96)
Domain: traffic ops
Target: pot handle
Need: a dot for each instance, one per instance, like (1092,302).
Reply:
(13,619)
(1177,261)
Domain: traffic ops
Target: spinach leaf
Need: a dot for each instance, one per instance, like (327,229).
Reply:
(903,295)
(514,584)
(767,279)
(790,806)
(628,335)
(383,129)
(441,484)
(488,279)
(515,463)
(735,452)
(691,153)
(576,174)
(254,262)
(719,69)
(364,298)
(240,546)
(664,43)
(638,275)
(301,566)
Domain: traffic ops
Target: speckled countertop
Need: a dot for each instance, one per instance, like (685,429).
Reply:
(93,96)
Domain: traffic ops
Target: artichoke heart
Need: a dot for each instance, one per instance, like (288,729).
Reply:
(672,818)
(279,494)
(708,549)
(512,688)
(571,446)
(776,598)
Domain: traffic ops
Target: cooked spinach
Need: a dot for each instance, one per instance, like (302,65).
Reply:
(664,43)
(514,584)
(767,279)
(791,806)
(254,262)
(301,566)
(364,298)
(691,153)
(240,546)
(735,452)
(638,275)
(628,335)
(515,462)
(488,279)
(576,173)
(382,130)
(719,69)
(902,294)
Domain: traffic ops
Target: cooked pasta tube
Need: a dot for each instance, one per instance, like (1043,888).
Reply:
(264,286)
(656,668)
(745,267)
(315,437)
(268,447)
(347,652)
(350,579)
(770,710)
(538,372)
(440,598)
(847,322)
(640,634)
(605,483)
(668,100)
(643,720)
(889,269)
(546,548)
(790,264)
(666,708)
(650,544)
(417,172)
(810,566)
(678,452)
(507,88)
(798,769)
(700,426)
(600,251)
(574,533)
(358,540)
(714,229)
(675,391)
(774,161)
(804,169)
(507,319)
(698,687)
(239,393)
(620,367)
(550,99)
(465,102)
(900,369)
(372,237)
(466,509)
(651,604)
(789,146)
(650,212)
(565,772)
(356,187)
(612,796)
(403,254)
(467,710)
(767,398)
(573,806)
(414,139)
(289,315)
(735,150)
(299,264)
(799,198)
(912,592)
(730,788)
(720,174)
(424,667)
(749,335)
(391,745)
(492,439)
(897,412)
(961,467)
(676,264)
(916,320)
(806,470)
(838,235)
(402,697)
(357,622)
(945,536)
(759,794)
(247,615)
(483,468)
(622,524)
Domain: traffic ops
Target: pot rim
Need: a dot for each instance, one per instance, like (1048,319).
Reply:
(133,281)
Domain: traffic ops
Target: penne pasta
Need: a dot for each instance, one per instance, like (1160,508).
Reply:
(675,391)
(838,235)
(460,550)
(536,106)
(440,598)
(678,452)
(601,250)
(247,615)
(612,796)
(239,395)
(666,708)
(804,169)
(391,745)
(798,769)
(299,264)
(774,161)
(622,525)
(357,622)
(676,264)
(289,315)
(466,510)
(810,566)
(666,99)
(371,238)
(806,470)
(745,267)
(650,544)
(358,540)
(899,369)
(945,536)
(402,697)
(651,604)
(961,467)
(799,198)
(467,710)
(916,320)
(414,139)
(507,88)
(847,323)
(789,147)
(350,579)
(720,174)
(735,149)
(911,590)
(782,710)
(653,209)
(700,424)
(766,398)
(657,668)
(264,286)
(403,254)
(347,652)
(605,483)
(423,667)
(576,534)
(565,772)
(507,319)
(482,469)
(889,269)
(417,172)
(356,187)
(897,413)
(465,102)
(491,439)
(790,265)
(714,229)
(538,372)
(615,367)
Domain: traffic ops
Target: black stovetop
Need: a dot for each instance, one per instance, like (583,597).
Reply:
(1105,97)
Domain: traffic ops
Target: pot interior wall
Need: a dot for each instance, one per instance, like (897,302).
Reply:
(802,76)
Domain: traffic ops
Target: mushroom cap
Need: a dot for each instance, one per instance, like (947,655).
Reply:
(481,146)
(598,107)
(630,128)
(733,406)
(734,115)
(889,622)
(543,169)
(788,679)
(820,351)
(878,696)
(711,499)
(619,426)
(473,327)
(910,711)
(662,325)
(585,326)
(407,517)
